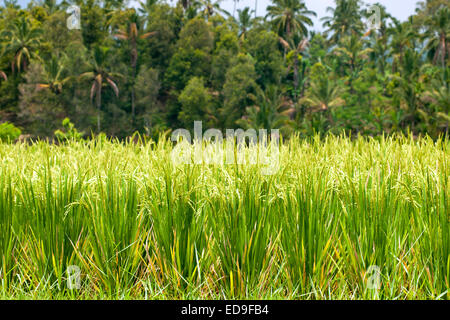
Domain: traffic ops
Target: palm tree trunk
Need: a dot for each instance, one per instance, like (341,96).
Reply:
(98,119)
(134,58)
(443,50)
(99,102)
(448,48)
(133,105)
(295,74)
(330,117)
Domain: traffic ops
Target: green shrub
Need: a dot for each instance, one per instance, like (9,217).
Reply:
(9,132)
(69,133)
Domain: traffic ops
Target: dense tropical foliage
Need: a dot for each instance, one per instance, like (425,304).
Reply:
(160,67)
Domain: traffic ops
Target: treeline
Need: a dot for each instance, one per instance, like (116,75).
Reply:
(160,67)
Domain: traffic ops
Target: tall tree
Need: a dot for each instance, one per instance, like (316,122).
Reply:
(132,35)
(296,49)
(345,19)
(437,115)
(402,35)
(351,56)
(438,36)
(185,3)
(428,8)
(409,89)
(271,109)
(3,75)
(23,41)
(146,7)
(53,73)
(196,103)
(290,17)
(50,5)
(12,4)
(99,74)
(210,7)
(239,84)
(244,21)
(324,93)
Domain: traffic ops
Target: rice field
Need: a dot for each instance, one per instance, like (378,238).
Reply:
(360,218)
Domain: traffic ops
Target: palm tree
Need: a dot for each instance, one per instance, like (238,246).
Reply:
(146,7)
(191,8)
(23,41)
(185,3)
(114,4)
(428,8)
(3,75)
(290,17)
(323,95)
(132,35)
(438,35)
(380,53)
(210,7)
(50,5)
(441,92)
(402,36)
(439,95)
(270,110)
(408,89)
(99,75)
(345,20)
(352,55)
(53,73)
(244,21)
(11,4)
(296,50)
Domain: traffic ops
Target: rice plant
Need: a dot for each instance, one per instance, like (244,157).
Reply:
(140,226)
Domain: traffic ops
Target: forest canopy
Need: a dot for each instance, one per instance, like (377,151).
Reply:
(159,67)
